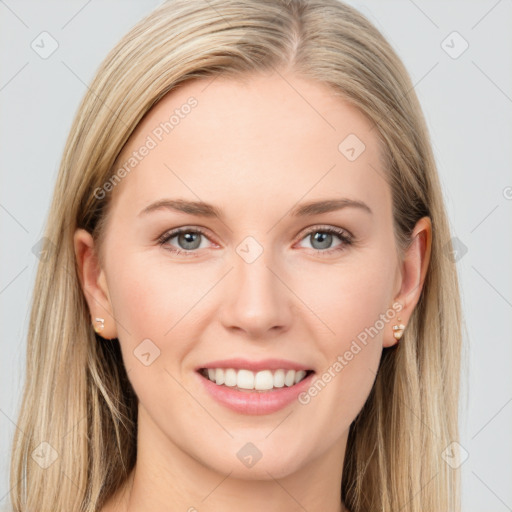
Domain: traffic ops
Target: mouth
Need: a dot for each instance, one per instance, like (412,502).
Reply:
(248,381)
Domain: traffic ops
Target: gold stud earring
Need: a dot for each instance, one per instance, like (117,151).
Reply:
(101,326)
(398,330)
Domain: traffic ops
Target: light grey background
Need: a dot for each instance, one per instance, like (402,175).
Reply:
(468,105)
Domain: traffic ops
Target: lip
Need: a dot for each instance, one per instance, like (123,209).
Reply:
(255,402)
(265,364)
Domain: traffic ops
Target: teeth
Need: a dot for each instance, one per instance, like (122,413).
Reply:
(259,381)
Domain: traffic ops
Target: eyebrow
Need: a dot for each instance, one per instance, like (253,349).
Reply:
(202,209)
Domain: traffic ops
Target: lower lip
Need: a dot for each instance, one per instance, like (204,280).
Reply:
(247,402)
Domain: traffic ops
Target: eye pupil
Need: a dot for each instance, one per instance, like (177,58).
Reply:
(324,238)
(189,239)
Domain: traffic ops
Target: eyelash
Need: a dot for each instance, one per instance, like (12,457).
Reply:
(343,235)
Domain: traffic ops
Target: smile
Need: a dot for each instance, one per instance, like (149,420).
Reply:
(247,380)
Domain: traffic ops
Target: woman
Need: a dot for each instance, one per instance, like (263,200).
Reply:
(246,302)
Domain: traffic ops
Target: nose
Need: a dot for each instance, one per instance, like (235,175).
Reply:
(256,302)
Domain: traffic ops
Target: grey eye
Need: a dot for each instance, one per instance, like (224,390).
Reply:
(324,240)
(189,240)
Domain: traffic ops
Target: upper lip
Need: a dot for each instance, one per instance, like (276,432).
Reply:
(263,364)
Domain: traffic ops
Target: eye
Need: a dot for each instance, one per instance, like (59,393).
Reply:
(187,240)
(321,238)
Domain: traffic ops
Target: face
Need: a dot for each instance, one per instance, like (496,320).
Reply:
(258,276)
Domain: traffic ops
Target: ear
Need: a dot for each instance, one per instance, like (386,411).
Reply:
(94,284)
(412,276)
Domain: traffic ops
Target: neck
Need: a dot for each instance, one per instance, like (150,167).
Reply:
(167,478)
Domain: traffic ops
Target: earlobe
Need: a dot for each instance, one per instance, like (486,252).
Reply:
(413,270)
(94,284)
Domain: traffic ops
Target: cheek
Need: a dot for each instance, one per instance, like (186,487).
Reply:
(160,302)
(152,296)
(350,297)
(353,301)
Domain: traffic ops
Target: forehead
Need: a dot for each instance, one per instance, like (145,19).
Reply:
(256,139)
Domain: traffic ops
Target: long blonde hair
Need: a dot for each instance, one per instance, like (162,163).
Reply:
(77,396)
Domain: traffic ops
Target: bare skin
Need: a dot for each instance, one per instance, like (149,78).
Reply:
(255,150)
